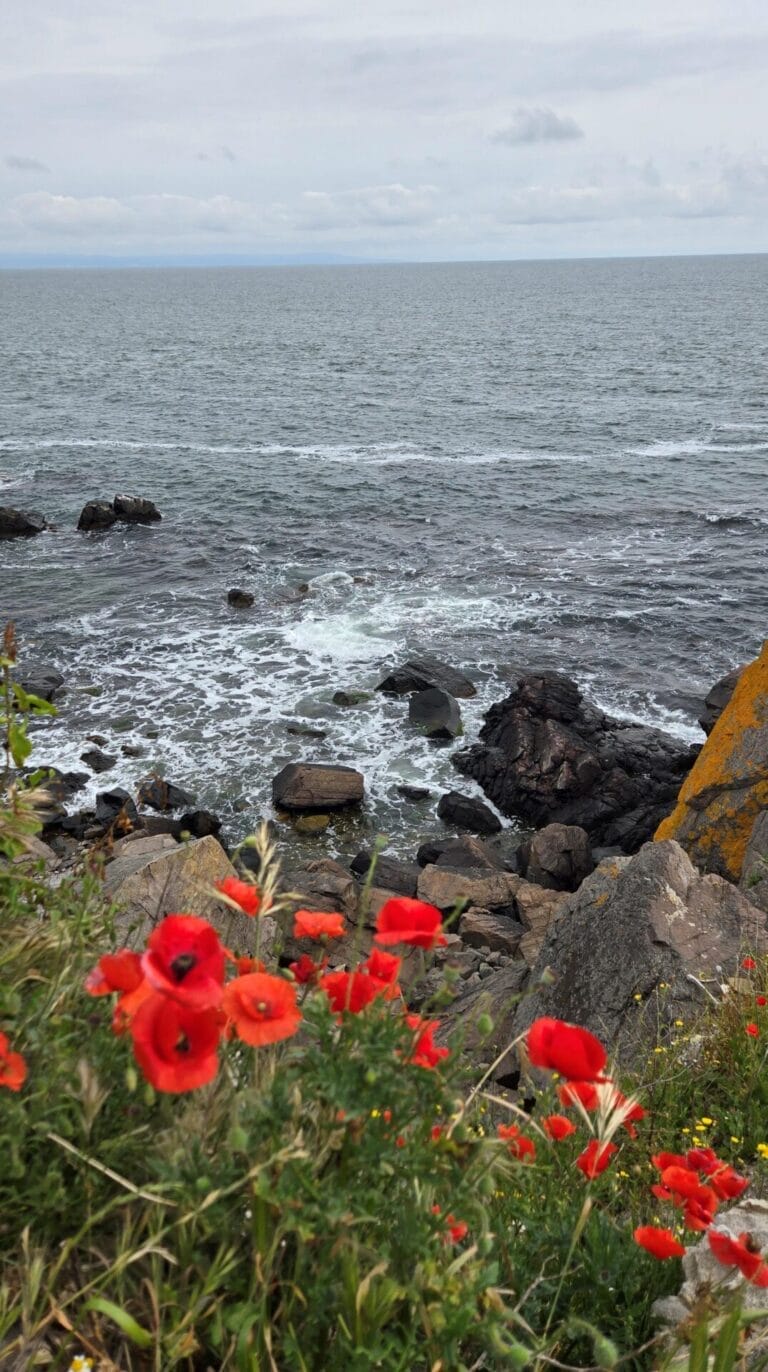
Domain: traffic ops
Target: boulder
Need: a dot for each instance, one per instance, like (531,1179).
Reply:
(116,810)
(460,854)
(558,857)
(489,890)
(398,877)
(182,879)
(716,700)
(97,514)
(162,795)
(703,1275)
(754,873)
(311,824)
(132,509)
(465,812)
(317,786)
(496,997)
(132,853)
(435,713)
(20,523)
(414,792)
(547,756)
(200,823)
(483,929)
(42,681)
(240,600)
(350,698)
(418,674)
(324,885)
(305,731)
(722,797)
(97,761)
(628,953)
(537,908)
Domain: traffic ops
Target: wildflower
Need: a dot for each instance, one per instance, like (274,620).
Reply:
(739,1253)
(661,1243)
(305,970)
(262,1008)
(582,1093)
(120,972)
(13,1068)
(595,1158)
(704,1122)
(185,960)
(351,991)
(425,1051)
(762,1149)
(748,964)
(318,924)
(80,1364)
(402,920)
(761,1001)
(383,966)
(242,893)
(565,1048)
(558,1127)
(436,1132)
(752,1030)
(521,1147)
(175,1045)
(245,965)
(457,1229)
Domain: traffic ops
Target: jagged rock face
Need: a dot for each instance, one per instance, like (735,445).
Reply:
(728,787)
(754,873)
(558,857)
(20,523)
(547,756)
(717,698)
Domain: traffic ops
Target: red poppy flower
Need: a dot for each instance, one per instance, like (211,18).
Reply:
(752,1030)
(245,965)
(699,1214)
(739,1253)
(185,961)
(115,972)
(402,920)
(318,924)
(262,1008)
(662,1160)
(305,970)
(578,1092)
(175,1045)
(558,1127)
(13,1068)
(748,964)
(425,1051)
(761,1001)
(595,1158)
(384,966)
(457,1229)
(436,1132)
(520,1146)
(660,1242)
(724,1180)
(565,1048)
(351,990)
(243,893)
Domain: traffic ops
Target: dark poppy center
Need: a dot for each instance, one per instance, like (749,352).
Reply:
(182,1044)
(183,964)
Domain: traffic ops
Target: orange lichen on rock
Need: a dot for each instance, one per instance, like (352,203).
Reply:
(728,786)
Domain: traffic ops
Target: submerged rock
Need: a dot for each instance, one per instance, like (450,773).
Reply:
(43,682)
(435,713)
(20,523)
(239,600)
(97,761)
(418,674)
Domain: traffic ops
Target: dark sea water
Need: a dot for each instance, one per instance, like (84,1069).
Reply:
(512,466)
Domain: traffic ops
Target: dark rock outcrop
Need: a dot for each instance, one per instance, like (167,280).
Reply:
(391,873)
(97,514)
(42,682)
(133,509)
(116,809)
(316,786)
(716,700)
(754,873)
(350,698)
(97,761)
(435,713)
(465,812)
(415,793)
(20,523)
(200,824)
(239,599)
(548,756)
(418,674)
(558,857)
(463,854)
(162,795)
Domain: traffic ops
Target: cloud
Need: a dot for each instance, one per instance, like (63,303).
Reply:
(168,216)
(382,207)
(222,153)
(24,164)
(538,124)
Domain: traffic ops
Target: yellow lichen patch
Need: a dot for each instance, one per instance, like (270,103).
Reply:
(733,765)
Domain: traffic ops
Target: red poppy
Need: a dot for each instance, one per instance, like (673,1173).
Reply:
(384,966)
(595,1158)
(660,1242)
(567,1049)
(245,965)
(351,990)
(699,1213)
(305,970)
(583,1093)
(724,1180)
(402,920)
(748,964)
(436,1132)
(558,1127)
(175,1045)
(457,1229)
(752,1030)
(739,1253)
(425,1051)
(115,972)
(243,893)
(662,1160)
(318,924)
(13,1068)
(520,1146)
(185,961)
(761,1001)
(262,1008)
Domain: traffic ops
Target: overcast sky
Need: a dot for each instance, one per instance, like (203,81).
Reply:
(386,129)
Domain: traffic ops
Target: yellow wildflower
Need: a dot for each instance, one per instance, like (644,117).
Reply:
(762,1149)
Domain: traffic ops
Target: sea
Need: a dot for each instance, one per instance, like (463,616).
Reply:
(511,466)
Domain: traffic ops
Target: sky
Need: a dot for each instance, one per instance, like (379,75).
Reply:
(382,130)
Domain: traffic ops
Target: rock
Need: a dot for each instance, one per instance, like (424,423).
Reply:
(317,786)
(537,908)
(558,857)
(98,739)
(304,731)
(483,929)
(20,523)
(183,879)
(349,698)
(97,761)
(435,713)
(116,809)
(418,674)
(34,852)
(716,700)
(132,509)
(200,823)
(728,787)
(754,873)
(488,890)
(465,812)
(131,750)
(397,876)
(549,757)
(414,792)
(461,855)
(631,927)
(162,795)
(239,600)
(97,514)
(311,824)
(42,681)
(61,786)
(703,1274)
(496,997)
(132,853)
(325,885)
